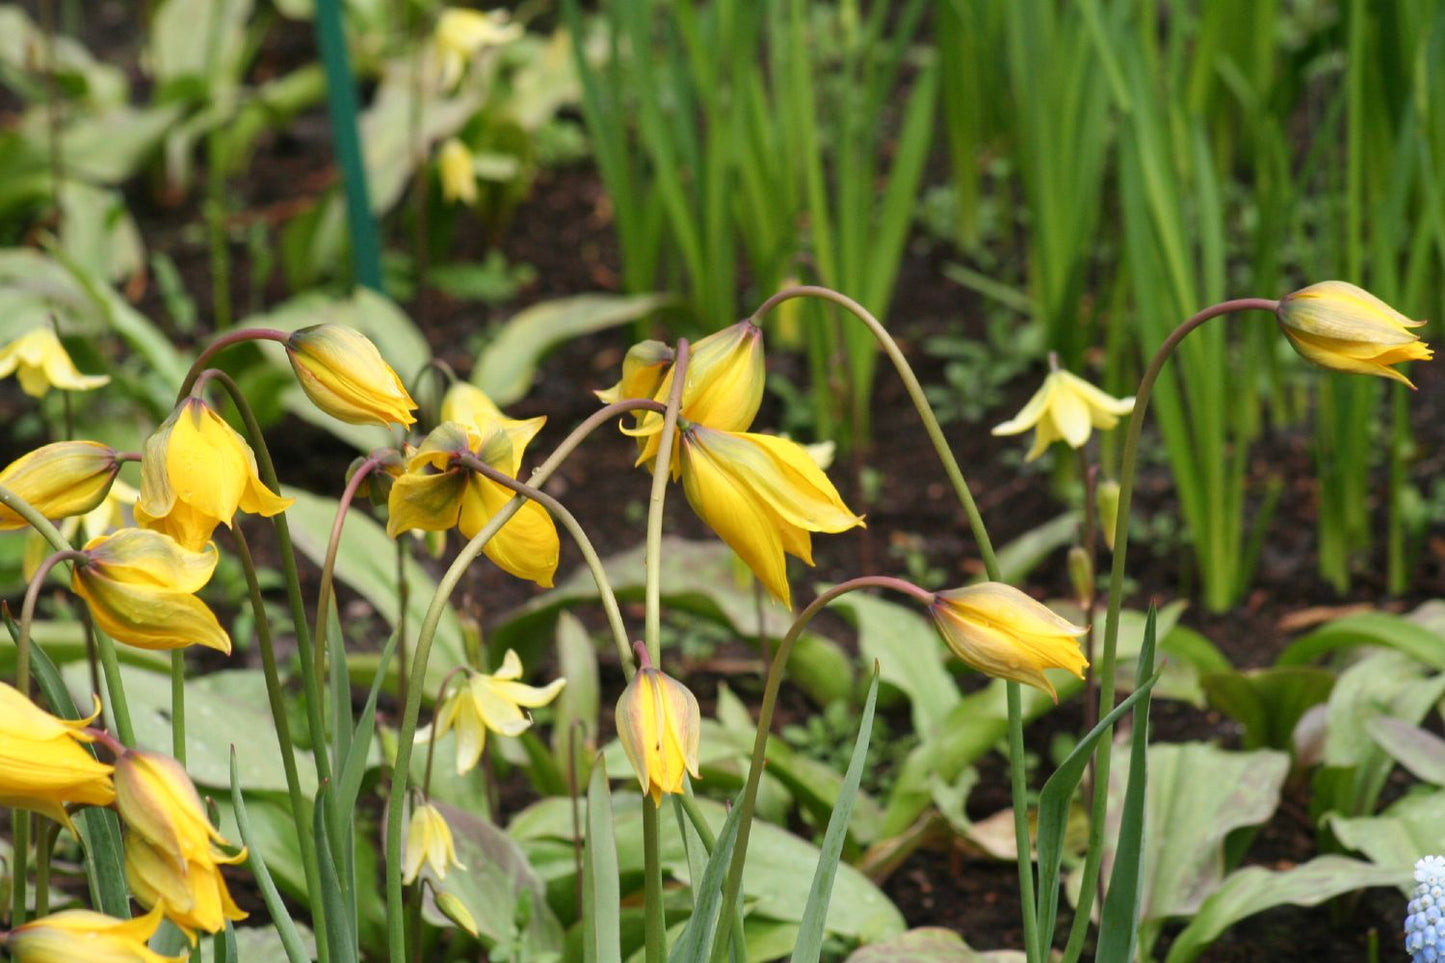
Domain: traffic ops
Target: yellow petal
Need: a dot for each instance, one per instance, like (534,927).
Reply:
(344,375)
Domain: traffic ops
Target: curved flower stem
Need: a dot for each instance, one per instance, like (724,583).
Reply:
(765,723)
(302,626)
(655,922)
(395,902)
(1128,465)
(220,344)
(1018,775)
(328,567)
(178,706)
(920,402)
(277,700)
(20,819)
(589,553)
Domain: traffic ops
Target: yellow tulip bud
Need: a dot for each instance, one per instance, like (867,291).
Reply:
(80,934)
(659,726)
(196,473)
(170,859)
(1081,574)
(1002,632)
(429,842)
(1106,499)
(458,172)
(344,375)
(43,762)
(455,910)
(40,361)
(1065,408)
(140,586)
(1344,328)
(461,34)
(60,480)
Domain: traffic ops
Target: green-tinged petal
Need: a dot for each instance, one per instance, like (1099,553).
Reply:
(429,502)
(471,738)
(146,558)
(150,618)
(1337,309)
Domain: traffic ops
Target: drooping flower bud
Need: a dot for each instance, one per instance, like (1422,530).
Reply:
(81,934)
(1106,501)
(659,725)
(60,480)
(429,842)
(1344,328)
(1002,632)
(344,375)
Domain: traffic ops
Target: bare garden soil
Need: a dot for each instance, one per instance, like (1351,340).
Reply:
(564,232)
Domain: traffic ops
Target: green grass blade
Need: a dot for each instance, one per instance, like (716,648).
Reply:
(1119,929)
(339,923)
(815,913)
(696,941)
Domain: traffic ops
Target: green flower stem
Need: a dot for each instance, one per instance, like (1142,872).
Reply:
(589,553)
(920,402)
(27,614)
(765,723)
(44,844)
(661,469)
(178,706)
(1128,466)
(302,627)
(1018,776)
(328,567)
(655,922)
(277,699)
(20,820)
(220,344)
(411,710)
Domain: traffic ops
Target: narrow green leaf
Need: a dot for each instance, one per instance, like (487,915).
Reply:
(339,925)
(696,942)
(810,934)
(1120,929)
(280,915)
(353,766)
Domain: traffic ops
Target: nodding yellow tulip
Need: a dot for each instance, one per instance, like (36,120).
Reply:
(171,859)
(469,405)
(659,726)
(762,495)
(140,586)
(196,473)
(79,934)
(429,842)
(1066,408)
(40,362)
(1344,328)
(59,480)
(461,34)
(43,761)
(1002,632)
(483,702)
(344,375)
(437,492)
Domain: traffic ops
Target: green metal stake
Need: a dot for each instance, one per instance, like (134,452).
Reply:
(341,106)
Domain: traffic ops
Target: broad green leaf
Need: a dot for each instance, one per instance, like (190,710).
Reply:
(1022,555)
(505,369)
(98,233)
(930,944)
(496,883)
(181,45)
(909,653)
(262,943)
(366,562)
(698,577)
(111,146)
(1404,832)
(575,711)
(1197,795)
(1268,703)
(224,709)
(1255,889)
(1420,642)
(1421,752)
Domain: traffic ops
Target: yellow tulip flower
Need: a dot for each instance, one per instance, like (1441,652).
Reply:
(40,361)
(1002,632)
(59,480)
(485,702)
(196,473)
(43,762)
(79,934)
(1344,328)
(171,859)
(763,496)
(469,405)
(140,586)
(345,376)
(428,841)
(1066,408)
(437,492)
(112,513)
(456,167)
(461,34)
(659,726)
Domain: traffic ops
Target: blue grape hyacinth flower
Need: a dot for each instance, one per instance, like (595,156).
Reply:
(1425,924)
